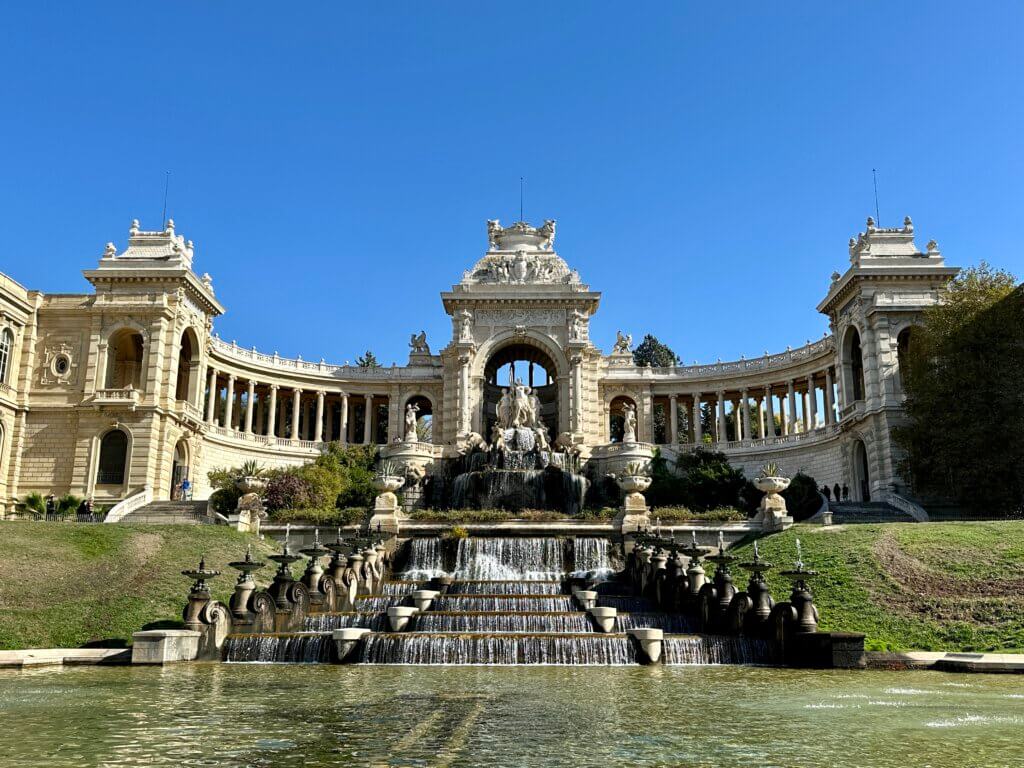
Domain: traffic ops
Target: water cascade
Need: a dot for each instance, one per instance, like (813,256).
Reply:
(564,622)
(504,587)
(517,603)
(297,647)
(325,622)
(715,649)
(414,648)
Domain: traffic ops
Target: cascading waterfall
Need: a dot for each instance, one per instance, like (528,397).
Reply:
(426,559)
(298,647)
(504,603)
(715,649)
(591,558)
(626,604)
(669,622)
(325,622)
(541,559)
(377,603)
(412,648)
(399,588)
(562,623)
(505,588)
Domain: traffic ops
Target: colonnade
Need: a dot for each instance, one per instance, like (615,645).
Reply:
(252,407)
(774,410)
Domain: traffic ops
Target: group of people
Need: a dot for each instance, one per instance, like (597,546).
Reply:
(183,490)
(833,493)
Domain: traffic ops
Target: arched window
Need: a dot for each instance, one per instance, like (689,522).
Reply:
(6,345)
(183,386)
(124,360)
(853,366)
(424,418)
(113,457)
(616,418)
(903,342)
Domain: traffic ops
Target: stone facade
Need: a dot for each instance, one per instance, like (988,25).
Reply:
(128,389)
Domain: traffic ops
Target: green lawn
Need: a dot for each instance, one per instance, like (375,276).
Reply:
(934,586)
(64,584)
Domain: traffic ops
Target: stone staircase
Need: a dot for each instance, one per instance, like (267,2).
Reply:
(867,512)
(167,512)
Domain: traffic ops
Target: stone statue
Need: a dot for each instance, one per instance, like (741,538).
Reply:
(493,230)
(576,326)
(410,423)
(547,229)
(623,344)
(628,423)
(465,325)
(541,432)
(418,344)
(519,406)
(497,438)
(504,409)
(534,414)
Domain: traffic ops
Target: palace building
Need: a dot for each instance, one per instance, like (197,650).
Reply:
(120,394)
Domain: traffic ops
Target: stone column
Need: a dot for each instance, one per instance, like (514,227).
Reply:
(811,408)
(260,410)
(343,426)
(830,416)
(211,404)
(296,406)
(698,437)
(760,418)
(673,410)
(576,397)
(318,435)
(250,396)
(721,417)
(272,412)
(368,421)
(745,414)
(791,416)
(464,395)
(770,401)
(229,402)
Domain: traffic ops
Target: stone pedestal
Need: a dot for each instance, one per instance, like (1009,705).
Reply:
(634,513)
(399,617)
(164,646)
(386,511)
(422,598)
(651,642)
(586,598)
(772,513)
(245,521)
(347,641)
(604,617)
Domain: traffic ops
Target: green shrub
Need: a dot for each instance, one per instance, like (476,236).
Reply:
(599,513)
(483,515)
(802,499)
(225,496)
(68,504)
(324,517)
(679,514)
(34,502)
(456,532)
(703,480)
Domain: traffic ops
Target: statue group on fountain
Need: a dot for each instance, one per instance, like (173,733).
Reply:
(519,408)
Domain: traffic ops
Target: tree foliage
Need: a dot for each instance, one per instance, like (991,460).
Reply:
(652,352)
(964,379)
(703,480)
(369,360)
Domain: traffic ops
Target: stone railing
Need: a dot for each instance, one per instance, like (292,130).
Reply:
(129,504)
(916,511)
(321,368)
(191,411)
(851,411)
(117,396)
(265,441)
(808,352)
(763,443)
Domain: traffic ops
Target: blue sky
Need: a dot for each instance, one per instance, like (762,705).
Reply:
(336,162)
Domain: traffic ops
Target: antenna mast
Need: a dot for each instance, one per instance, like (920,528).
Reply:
(520,198)
(167,183)
(874,178)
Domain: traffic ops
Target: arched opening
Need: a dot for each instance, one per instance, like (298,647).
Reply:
(853,366)
(861,476)
(179,472)
(617,417)
(903,342)
(113,458)
(124,360)
(186,367)
(6,347)
(424,418)
(527,365)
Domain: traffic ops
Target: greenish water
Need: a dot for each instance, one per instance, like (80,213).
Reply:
(303,715)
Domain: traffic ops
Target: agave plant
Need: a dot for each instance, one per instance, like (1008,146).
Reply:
(771,469)
(637,468)
(388,468)
(250,468)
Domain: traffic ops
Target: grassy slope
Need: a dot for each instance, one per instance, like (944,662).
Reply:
(939,586)
(64,585)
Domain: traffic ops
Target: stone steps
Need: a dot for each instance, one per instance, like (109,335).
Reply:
(167,512)
(867,512)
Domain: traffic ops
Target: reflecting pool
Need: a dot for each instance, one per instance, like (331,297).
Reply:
(306,715)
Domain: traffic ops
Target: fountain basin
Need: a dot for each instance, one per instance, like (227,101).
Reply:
(604,616)
(650,640)
(587,598)
(423,598)
(399,616)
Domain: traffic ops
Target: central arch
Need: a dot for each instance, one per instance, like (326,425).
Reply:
(528,355)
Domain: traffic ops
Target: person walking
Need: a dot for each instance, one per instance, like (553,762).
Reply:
(835,492)
(846,492)
(827,492)
(186,490)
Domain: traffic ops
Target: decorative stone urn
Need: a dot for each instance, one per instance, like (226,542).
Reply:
(633,514)
(772,512)
(385,507)
(249,509)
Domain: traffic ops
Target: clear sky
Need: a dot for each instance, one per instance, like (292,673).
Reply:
(335,163)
